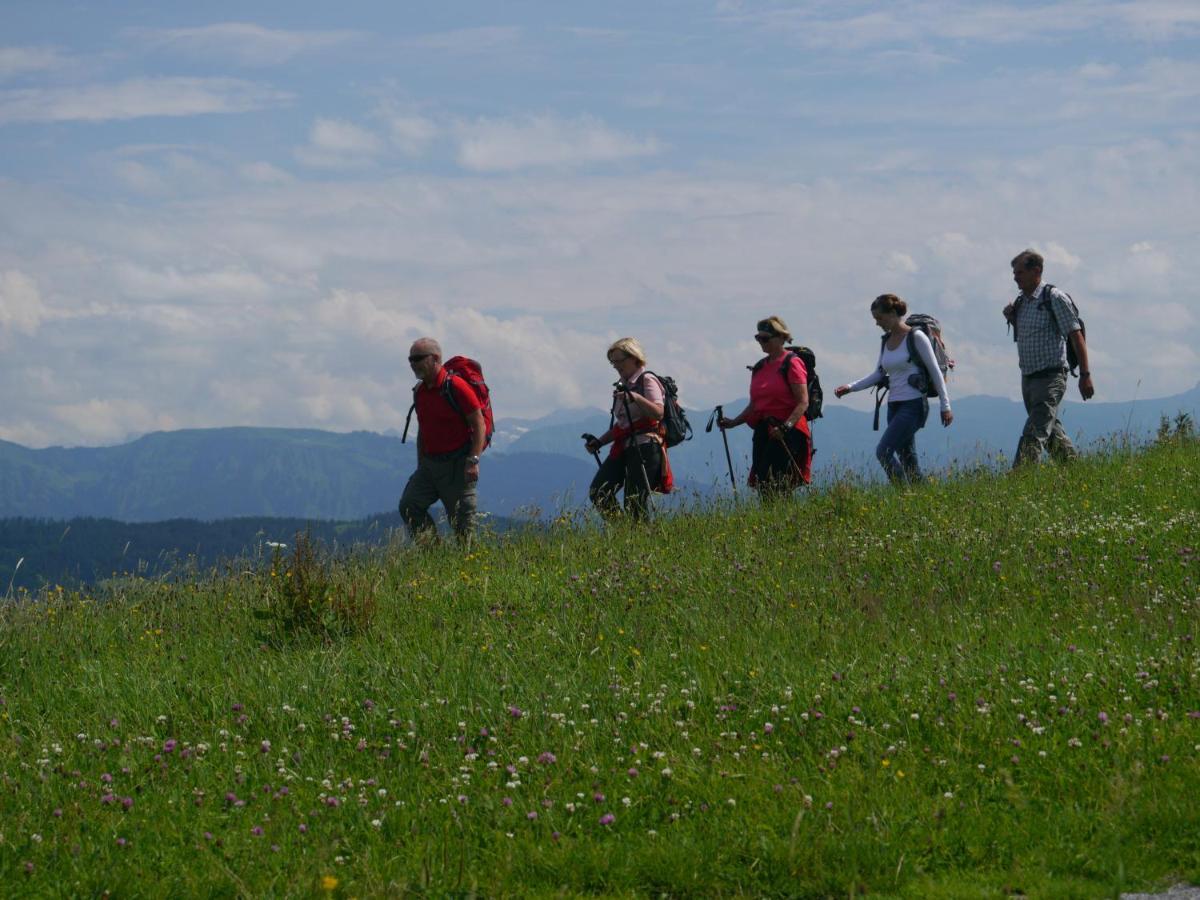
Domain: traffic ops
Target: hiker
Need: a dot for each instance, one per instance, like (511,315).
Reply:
(781,455)
(1043,320)
(637,462)
(906,362)
(449,443)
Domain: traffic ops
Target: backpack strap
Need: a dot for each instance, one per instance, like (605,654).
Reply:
(1046,302)
(914,355)
(411,410)
(881,389)
(1012,323)
(449,394)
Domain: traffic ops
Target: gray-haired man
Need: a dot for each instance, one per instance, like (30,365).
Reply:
(1043,320)
(450,439)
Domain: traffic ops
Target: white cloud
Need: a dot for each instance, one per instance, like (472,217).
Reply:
(1098,71)
(858,24)
(22,60)
(333,143)
(902,262)
(505,145)
(1159,19)
(21,306)
(358,314)
(264,173)
(208,286)
(468,40)
(411,134)
(1058,255)
(107,420)
(137,98)
(244,43)
(311,290)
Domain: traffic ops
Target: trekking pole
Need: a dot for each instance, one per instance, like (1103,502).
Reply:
(596,453)
(717,415)
(632,443)
(786,448)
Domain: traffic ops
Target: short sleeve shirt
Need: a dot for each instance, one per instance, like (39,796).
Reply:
(649,387)
(1043,322)
(771,393)
(442,428)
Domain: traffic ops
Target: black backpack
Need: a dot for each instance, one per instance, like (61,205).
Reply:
(674,419)
(816,396)
(1043,303)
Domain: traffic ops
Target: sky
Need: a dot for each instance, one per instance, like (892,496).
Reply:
(242,214)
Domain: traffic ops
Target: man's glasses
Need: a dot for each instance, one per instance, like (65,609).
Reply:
(417,357)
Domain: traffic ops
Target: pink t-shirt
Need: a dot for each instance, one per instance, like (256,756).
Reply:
(652,388)
(771,393)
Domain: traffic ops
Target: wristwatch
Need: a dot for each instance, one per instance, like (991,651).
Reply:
(472,460)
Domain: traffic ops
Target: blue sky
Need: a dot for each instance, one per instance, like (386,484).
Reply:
(218,214)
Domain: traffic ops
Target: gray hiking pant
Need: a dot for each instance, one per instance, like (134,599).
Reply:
(439,478)
(1043,393)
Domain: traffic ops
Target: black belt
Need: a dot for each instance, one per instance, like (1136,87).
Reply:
(1047,372)
(461,451)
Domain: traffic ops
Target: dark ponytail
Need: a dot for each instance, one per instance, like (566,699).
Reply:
(890,304)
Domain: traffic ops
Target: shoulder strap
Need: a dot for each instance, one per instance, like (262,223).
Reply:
(1046,302)
(1017,304)
(787,361)
(449,394)
(411,410)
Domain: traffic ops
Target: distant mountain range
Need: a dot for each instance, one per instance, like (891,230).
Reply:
(536,467)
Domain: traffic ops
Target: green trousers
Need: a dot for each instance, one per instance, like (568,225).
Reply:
(439,478)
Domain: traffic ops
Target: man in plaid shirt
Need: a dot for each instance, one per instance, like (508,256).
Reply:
(1043,321)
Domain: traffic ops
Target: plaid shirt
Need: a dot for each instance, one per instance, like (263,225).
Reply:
(1042,328)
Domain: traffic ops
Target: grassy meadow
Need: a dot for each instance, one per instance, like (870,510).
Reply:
(984,686)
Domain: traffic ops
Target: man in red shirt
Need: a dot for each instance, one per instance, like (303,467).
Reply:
(450,438)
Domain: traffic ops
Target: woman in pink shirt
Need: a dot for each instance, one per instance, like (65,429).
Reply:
(782,451)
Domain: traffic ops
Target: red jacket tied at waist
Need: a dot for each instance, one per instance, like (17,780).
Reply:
(620,437)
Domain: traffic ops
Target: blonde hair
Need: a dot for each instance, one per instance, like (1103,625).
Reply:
(775,324)
(630,347)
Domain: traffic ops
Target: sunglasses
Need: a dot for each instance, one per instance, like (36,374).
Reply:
(617,362)
(763,338)
(417,357)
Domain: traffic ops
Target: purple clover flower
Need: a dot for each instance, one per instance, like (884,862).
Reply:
(607,819)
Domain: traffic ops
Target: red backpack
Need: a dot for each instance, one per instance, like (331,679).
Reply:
(471,372)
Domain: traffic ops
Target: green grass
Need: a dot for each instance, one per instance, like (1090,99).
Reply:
(934,665)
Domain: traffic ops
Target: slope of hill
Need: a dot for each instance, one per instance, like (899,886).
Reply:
(747,700)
